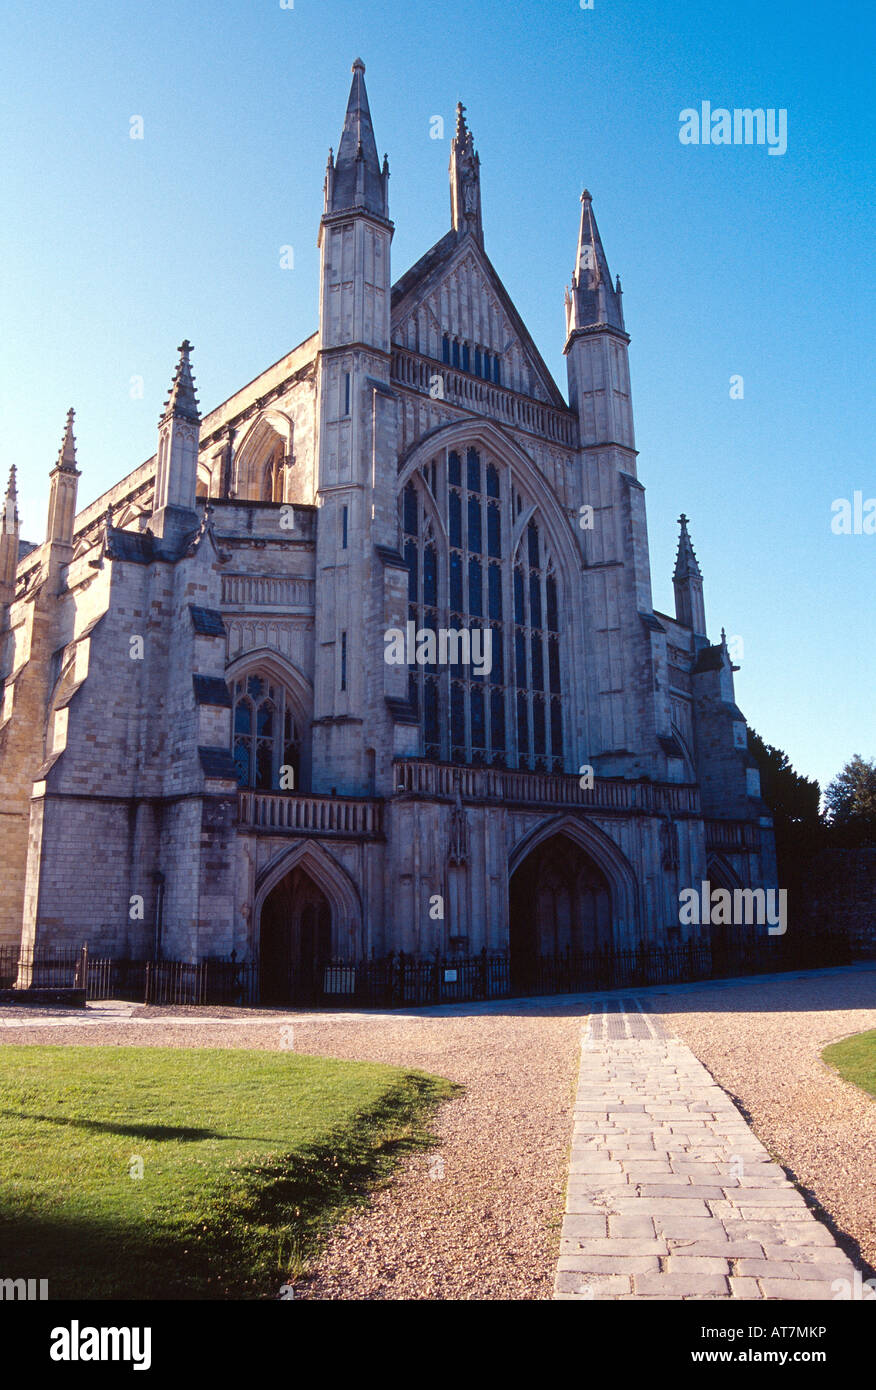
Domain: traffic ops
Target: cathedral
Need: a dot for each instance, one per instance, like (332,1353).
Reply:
(209,742)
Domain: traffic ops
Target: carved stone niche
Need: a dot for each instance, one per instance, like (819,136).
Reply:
(669,844)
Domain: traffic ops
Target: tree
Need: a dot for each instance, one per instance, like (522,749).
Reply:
(793,799)
(850,800)
(799,828)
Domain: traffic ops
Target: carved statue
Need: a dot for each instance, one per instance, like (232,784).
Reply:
(458,847)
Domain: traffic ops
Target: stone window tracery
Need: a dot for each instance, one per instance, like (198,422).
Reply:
(512,715)
(265,737)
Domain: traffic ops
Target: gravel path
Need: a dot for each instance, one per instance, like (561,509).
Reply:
(479,1218)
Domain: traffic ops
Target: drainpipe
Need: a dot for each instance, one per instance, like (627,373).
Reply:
(158,880)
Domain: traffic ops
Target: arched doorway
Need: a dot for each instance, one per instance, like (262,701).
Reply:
(733,943)
(559,901)
(295,940)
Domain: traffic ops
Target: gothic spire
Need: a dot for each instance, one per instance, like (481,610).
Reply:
(357,180)
(63,484)
(465,181)
(176,472)
(687,581)
(182,401)
(10,505)
(593,301)
(686,564)
(67,451)
(9,540)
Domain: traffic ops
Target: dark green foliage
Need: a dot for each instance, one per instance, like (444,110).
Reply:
(850,800)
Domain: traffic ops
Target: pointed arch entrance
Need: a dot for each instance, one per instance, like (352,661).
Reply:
(308,911)
(730,941)
(560,901)
(295,939)
(571,887)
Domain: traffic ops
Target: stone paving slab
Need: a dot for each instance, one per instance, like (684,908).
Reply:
(670,1194)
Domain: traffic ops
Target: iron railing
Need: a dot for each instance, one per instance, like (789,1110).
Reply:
(202,982)
(43,967)
(399,980)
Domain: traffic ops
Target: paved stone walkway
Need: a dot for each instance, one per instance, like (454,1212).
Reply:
(670,1195)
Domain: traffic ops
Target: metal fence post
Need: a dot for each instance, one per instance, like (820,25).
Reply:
(80,975)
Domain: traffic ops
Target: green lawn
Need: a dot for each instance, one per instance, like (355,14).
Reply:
(247,1160)
(855,1060)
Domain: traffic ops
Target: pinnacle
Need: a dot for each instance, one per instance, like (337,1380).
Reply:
(357,176)
(67,451)
(10,510)
(465,198)
(463,138)
(596,300)
(182,400)
(686,561)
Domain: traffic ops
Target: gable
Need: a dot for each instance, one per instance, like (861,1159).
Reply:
(454,292)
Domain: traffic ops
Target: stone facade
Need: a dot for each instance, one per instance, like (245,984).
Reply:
(198,709)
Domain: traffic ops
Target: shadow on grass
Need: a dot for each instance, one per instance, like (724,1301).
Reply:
(158,1133)
(257,1229)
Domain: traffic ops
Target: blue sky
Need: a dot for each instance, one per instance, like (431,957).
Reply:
(732,261)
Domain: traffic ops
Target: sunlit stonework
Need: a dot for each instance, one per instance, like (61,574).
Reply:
(202,745)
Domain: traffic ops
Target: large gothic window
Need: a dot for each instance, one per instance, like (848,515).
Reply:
(265,739)
(511,715)
(538,698)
